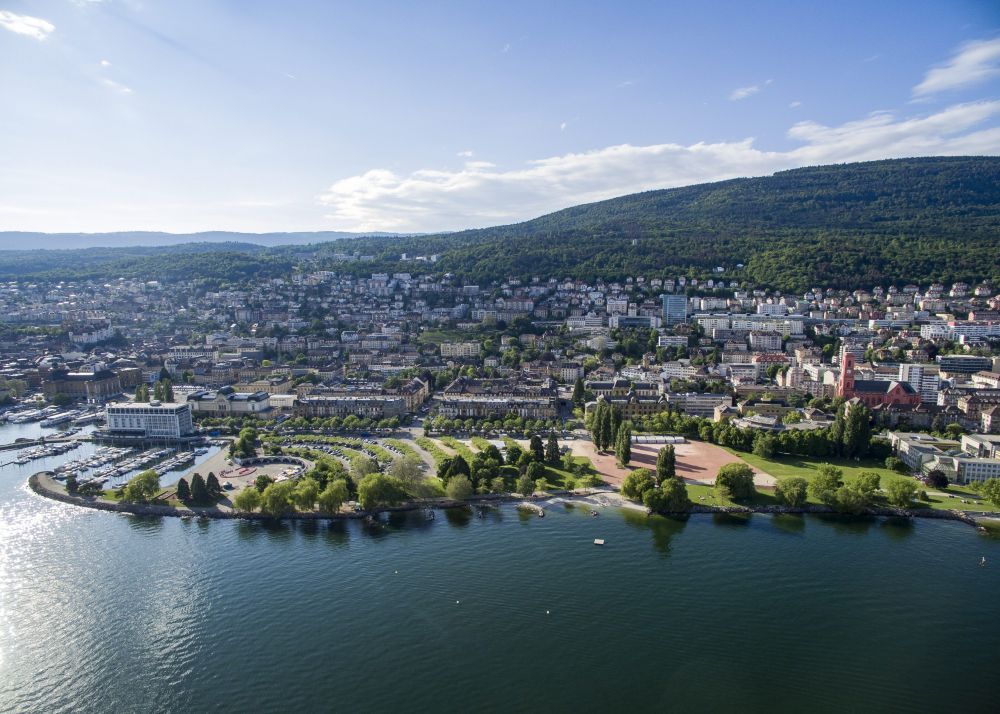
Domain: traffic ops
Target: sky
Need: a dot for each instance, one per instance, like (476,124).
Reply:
(246,115)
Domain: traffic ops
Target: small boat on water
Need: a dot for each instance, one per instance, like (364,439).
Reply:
(983,561)
(598,541)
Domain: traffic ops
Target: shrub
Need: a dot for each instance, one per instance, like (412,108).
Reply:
(792,491)
(637,483)
(735,482)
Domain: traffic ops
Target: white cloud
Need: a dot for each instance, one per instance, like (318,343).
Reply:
(105,63)
(744,92)
(465,154)
(116,86)
(562,126)
(795,105)
(480,194)
(26,25)
(973,63)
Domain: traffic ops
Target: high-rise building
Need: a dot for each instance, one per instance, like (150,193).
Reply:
(675,308)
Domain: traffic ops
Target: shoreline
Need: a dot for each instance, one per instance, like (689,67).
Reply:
(35,483)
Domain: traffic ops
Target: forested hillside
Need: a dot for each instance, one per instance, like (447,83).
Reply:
(909,220)
(854,225)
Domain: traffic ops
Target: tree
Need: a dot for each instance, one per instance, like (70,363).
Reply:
(670,497)
(763,445)
(277,498)
(857,430)
(867,482)
(637,483)
(623,451)
(213,487)
(735,482)
(333,496)
(896,464)
(306,492)
(408,469)
(199,493)
(168,390)
(552,449)
(525,485)
(514,452)
(936,478)
(262,482)
(616,423)
(900,491)
(536,448)
(72,484)
(666,464)
(248,500)
(535,471)
(579,392)
(825,484)
(459,488)
(991,491)
(362,466)
(457,467)
(792,491)
(142,487)
(377,489)
(183,491)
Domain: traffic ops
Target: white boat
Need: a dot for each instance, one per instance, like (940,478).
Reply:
(57,419)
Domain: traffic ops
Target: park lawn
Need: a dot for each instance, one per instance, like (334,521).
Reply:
(556,475)
(940,500)
(804,467)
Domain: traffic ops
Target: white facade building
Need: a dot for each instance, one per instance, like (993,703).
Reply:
(152,419)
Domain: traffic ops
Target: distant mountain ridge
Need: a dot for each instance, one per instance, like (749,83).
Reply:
(18,240)
(923,220)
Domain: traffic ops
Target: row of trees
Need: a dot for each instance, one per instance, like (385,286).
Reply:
(163,391)
(849,435)
(511,424)
(201,491)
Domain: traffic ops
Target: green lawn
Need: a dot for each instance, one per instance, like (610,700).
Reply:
(785,466)
(458,447)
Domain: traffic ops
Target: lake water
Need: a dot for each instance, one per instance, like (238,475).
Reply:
(104,612)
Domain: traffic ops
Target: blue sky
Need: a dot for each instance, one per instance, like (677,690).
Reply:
(187,115)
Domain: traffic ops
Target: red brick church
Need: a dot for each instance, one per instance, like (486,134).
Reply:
(873,392)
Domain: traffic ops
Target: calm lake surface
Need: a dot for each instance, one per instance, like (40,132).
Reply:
(104,612)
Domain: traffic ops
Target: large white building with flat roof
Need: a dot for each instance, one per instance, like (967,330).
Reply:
(150,419)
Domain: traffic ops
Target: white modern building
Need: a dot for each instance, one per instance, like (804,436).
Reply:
(150,419)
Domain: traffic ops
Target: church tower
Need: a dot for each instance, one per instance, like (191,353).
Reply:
(845,387)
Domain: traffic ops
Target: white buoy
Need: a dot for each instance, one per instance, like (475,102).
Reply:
(456,602)
(546,612)
(396,572)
